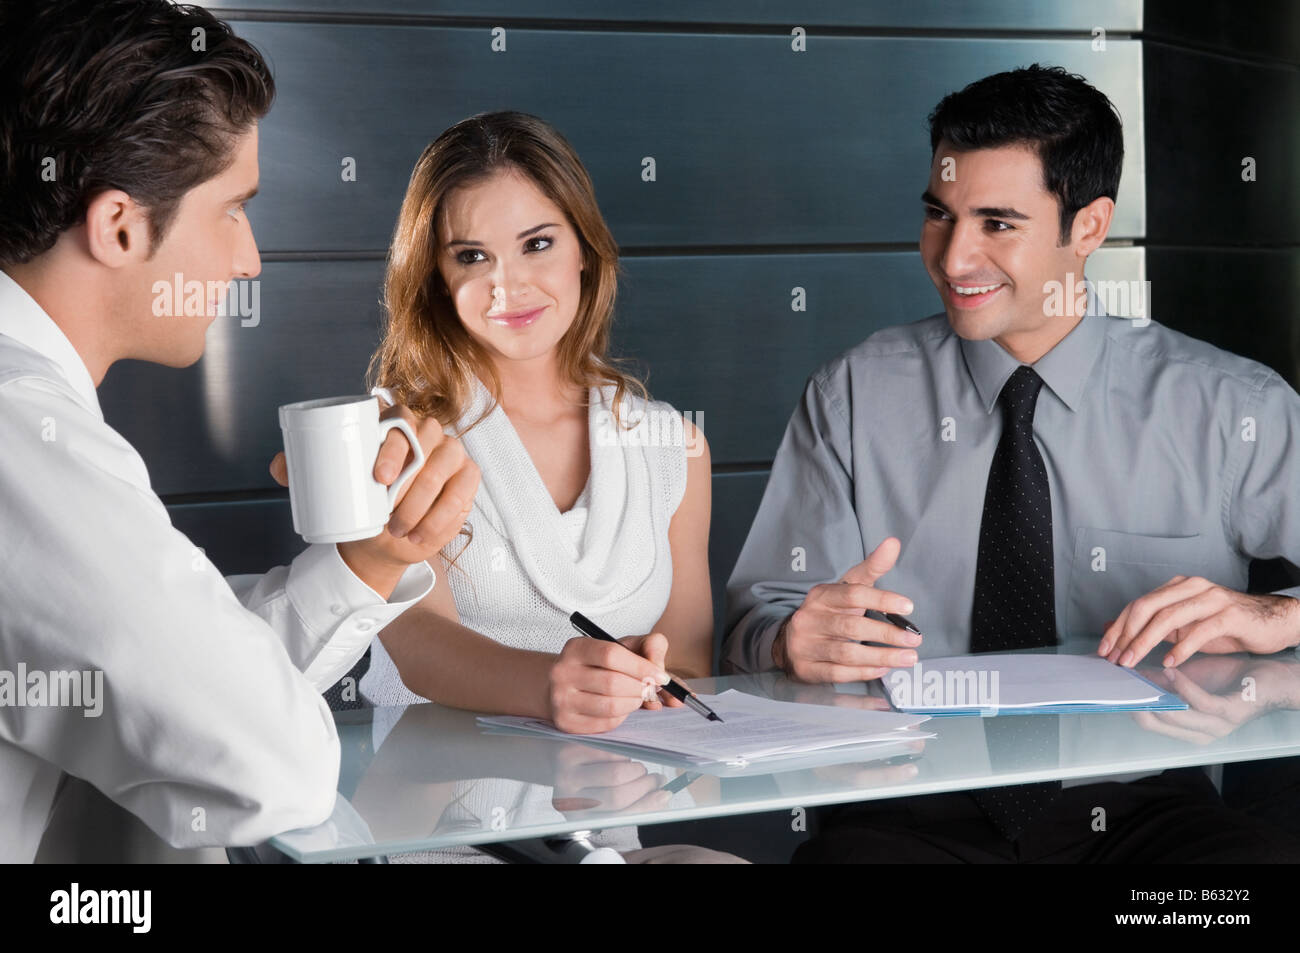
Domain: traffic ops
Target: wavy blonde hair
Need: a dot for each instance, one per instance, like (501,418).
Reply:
(427,357)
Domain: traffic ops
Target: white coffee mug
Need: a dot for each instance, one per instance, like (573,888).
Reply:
(330,447)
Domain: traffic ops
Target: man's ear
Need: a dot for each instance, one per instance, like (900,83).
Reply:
(117,229)
(1091,224)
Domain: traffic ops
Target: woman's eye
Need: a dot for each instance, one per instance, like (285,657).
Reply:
(469,256)
(538,243)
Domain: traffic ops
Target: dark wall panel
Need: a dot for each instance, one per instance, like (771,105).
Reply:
(753,143)
(1204,115)
(1223,252)
(1262,28)
(735,501)
(245,536)
(1241,299)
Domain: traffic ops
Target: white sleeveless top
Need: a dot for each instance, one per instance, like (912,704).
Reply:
(529,565)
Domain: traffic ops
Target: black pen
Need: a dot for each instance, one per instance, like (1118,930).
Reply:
(900,622)
(674,687)
(683,780)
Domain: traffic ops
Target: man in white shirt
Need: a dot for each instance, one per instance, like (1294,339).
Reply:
(127,153)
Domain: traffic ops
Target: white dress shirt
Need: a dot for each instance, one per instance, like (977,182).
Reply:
(210,727)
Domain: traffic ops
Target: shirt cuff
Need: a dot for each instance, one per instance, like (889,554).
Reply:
(749,649)
(342,610)
(763,647)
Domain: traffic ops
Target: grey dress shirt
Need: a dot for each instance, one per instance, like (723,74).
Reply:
(1164,456)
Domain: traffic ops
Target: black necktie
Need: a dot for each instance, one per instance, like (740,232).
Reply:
(1015,594)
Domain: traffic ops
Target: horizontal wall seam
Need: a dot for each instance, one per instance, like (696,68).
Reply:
(575,25)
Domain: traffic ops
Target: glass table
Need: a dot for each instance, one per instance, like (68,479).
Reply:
(424,776)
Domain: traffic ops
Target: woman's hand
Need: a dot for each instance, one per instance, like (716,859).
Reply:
(654,647)
(594,685)
(590,780)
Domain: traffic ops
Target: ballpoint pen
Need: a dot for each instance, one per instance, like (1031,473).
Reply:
(898,621)
(674,687)
(681,782)
(902,622)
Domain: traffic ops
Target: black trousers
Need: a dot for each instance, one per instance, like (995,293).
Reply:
(1176,817)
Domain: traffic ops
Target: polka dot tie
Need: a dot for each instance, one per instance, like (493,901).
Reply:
(1015,598)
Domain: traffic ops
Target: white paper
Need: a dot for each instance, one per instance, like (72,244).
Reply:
(752,728)
(1015,681)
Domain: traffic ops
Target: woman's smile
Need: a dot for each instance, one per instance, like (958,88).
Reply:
(517,319)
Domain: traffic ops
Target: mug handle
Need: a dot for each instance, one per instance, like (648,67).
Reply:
(413,466)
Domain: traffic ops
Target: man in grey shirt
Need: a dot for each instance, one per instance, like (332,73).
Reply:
(1024,464)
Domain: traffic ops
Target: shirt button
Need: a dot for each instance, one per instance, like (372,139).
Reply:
(338,610)
(365,625)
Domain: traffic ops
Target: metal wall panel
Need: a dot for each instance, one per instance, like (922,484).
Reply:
(715,332)
(213,427)
(753,144)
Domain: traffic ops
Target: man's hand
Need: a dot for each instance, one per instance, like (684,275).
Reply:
(431,506)
(823,640)
(1197,615)
(1219,701)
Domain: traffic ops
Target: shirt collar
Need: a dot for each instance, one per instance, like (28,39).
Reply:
(22,319)
(1064,369)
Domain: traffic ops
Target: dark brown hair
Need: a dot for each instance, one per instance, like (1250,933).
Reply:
(1072,126)
(137,95)
(427,356)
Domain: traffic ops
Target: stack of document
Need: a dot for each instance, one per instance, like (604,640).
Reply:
(1022,684)
(751,729)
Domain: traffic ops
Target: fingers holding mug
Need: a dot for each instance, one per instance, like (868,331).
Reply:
(280,469)
(408,440)
(439,499)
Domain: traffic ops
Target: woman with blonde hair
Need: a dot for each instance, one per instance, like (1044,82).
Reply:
(500,294)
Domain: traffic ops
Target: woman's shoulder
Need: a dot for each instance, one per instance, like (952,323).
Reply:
(643,416)
(631,402)
(658,432)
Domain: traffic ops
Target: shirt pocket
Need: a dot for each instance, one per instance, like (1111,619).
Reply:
(1112,568)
